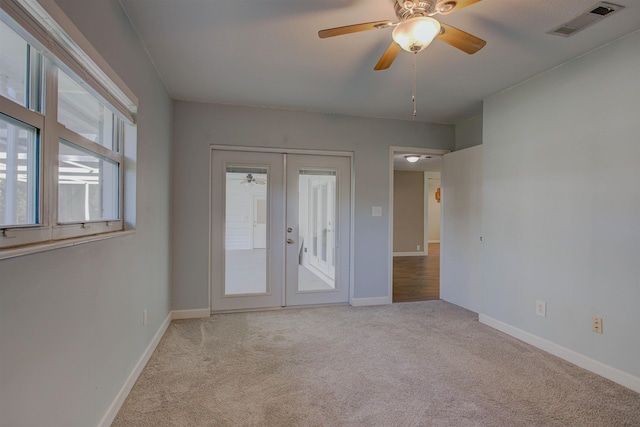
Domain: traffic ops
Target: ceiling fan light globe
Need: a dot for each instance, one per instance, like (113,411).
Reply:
(415,34)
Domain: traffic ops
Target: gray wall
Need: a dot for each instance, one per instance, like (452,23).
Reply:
(71,319)
(561,218)
(408,211)
(469,133)
(197,126)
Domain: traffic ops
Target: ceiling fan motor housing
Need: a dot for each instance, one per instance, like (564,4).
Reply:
(411,9)
(407,9)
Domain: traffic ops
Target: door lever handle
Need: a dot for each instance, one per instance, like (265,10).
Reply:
(290,241)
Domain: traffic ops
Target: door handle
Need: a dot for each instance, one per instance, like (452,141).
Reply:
(290,241)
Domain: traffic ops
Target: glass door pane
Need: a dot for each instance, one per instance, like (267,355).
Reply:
(316,216)
(245,229)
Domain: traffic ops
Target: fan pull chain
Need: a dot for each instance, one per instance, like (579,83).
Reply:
(413,93)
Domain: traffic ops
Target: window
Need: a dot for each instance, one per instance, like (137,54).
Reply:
(13,68)
(62,137)
(88,186)
(18,173)
(82,113)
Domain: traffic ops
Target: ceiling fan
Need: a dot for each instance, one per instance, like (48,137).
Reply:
(250,180)
(416,29)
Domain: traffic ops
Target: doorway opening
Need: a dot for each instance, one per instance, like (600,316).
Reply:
(415,189)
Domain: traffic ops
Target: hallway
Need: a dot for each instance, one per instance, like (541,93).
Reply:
(417,278)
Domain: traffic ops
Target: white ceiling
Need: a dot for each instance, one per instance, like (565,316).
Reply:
(267,53)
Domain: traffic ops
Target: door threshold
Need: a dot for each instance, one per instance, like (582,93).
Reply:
(290,307)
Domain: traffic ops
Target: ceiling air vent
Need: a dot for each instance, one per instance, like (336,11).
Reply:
(589,17)
(602,10)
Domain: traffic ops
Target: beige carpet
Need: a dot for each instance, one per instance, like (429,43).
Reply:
(412,364)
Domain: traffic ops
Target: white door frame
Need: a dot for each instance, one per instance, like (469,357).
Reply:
(240,148)
(427,202)
(413,150)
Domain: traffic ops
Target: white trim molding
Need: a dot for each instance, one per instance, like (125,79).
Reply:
(421,253)
(362,302)
(51,245)
(196,313)
(616,375)
(115,406)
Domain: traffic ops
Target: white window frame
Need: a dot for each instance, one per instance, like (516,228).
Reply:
(42,29)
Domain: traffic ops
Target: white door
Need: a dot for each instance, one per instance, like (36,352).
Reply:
(318,229)
(461,247)
(277,243)
(244,277)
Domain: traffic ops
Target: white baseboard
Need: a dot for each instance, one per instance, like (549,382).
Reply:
(616,375)
(361,302)
(115,406)
(420,253)
(196,313)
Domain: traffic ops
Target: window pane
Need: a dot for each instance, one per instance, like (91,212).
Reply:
(88,186)
(18,173)
(81,112)
(13,65)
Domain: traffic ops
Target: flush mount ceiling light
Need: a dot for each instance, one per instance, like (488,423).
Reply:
(412,158)
(415,34)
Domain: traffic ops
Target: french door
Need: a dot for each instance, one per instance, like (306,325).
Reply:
(298,207)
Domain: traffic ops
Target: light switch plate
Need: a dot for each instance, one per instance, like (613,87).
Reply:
(541,308)
(376,211)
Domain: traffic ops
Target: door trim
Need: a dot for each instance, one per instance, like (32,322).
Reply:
(349,154)
(283,150)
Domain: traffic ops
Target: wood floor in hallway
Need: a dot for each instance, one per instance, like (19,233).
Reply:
(417,278)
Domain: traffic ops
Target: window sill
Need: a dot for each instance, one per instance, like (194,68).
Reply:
(57,244)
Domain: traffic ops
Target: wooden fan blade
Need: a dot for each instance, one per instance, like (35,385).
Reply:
(460,39)
(356,28)
(388,57)
(449,6)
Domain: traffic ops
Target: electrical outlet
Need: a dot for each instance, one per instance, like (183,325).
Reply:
(596,325)
(541,308)
(144,317)
(418,248)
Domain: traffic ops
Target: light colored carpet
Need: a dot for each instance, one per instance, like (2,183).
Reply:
(413,364)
